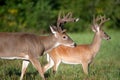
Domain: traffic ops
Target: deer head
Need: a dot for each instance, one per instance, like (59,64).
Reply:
(97,25)
(60,33)
(61,37)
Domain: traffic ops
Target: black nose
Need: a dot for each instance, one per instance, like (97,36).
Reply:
(109,37)
(75,44)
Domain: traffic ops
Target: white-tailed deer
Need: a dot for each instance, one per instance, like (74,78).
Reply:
(29,46)
(81,54)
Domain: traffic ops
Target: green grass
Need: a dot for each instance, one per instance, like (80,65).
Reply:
(105,66)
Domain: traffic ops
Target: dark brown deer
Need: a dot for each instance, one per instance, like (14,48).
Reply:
(29,46)
(81,54)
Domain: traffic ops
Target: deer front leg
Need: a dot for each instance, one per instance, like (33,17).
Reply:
(49,65)
(85,67)
(37,65)
(55,67)
(24,67)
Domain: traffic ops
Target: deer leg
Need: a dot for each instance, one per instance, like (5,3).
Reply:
(49,65)
(85,68)
(48,58)
(56,66)
(37,65)
(24,67)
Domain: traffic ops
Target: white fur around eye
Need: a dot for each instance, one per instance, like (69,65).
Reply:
(64,37)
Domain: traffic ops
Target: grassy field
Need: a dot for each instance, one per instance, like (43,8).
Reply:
(105,66)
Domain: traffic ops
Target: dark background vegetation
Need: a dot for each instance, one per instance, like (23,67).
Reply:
(37,15)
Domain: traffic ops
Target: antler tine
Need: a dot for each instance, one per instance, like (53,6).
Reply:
(54,27)
(63,14)
(59,16)
(69,15)
(94,20)
(98,18)
(93,26)
(59,29)
(103,20)
(60,22)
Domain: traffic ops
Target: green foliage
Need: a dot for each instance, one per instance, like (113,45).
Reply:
(17,15)
(85,9)
(37,15)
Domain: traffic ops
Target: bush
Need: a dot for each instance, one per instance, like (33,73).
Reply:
(37,15)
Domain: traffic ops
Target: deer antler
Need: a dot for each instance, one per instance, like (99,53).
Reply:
(98,22)
(58,29)
(65,18)
(99,19)
(103,20)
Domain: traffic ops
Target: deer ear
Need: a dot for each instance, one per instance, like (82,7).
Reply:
(52,30)
(93,28)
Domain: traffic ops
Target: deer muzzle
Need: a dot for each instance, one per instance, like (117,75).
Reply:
(73,45)
(108,38)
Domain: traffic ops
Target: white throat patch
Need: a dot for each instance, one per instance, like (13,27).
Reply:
(57,44)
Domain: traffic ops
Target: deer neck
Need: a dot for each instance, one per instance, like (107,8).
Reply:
(95,45)
(49,42)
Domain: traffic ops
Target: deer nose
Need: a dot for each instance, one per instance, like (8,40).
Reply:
(75,44)
(108,38)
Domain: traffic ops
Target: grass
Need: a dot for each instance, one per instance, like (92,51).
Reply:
(105,66)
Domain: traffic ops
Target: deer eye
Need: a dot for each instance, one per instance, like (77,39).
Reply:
(65,37)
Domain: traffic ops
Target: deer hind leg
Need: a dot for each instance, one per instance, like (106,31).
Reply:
(49,65)
(37,65)
(85,67)
(24,67)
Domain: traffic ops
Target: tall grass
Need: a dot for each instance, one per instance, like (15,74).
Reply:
(105,66)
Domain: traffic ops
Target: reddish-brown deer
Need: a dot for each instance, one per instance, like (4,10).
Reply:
(29,46)
(81,54)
